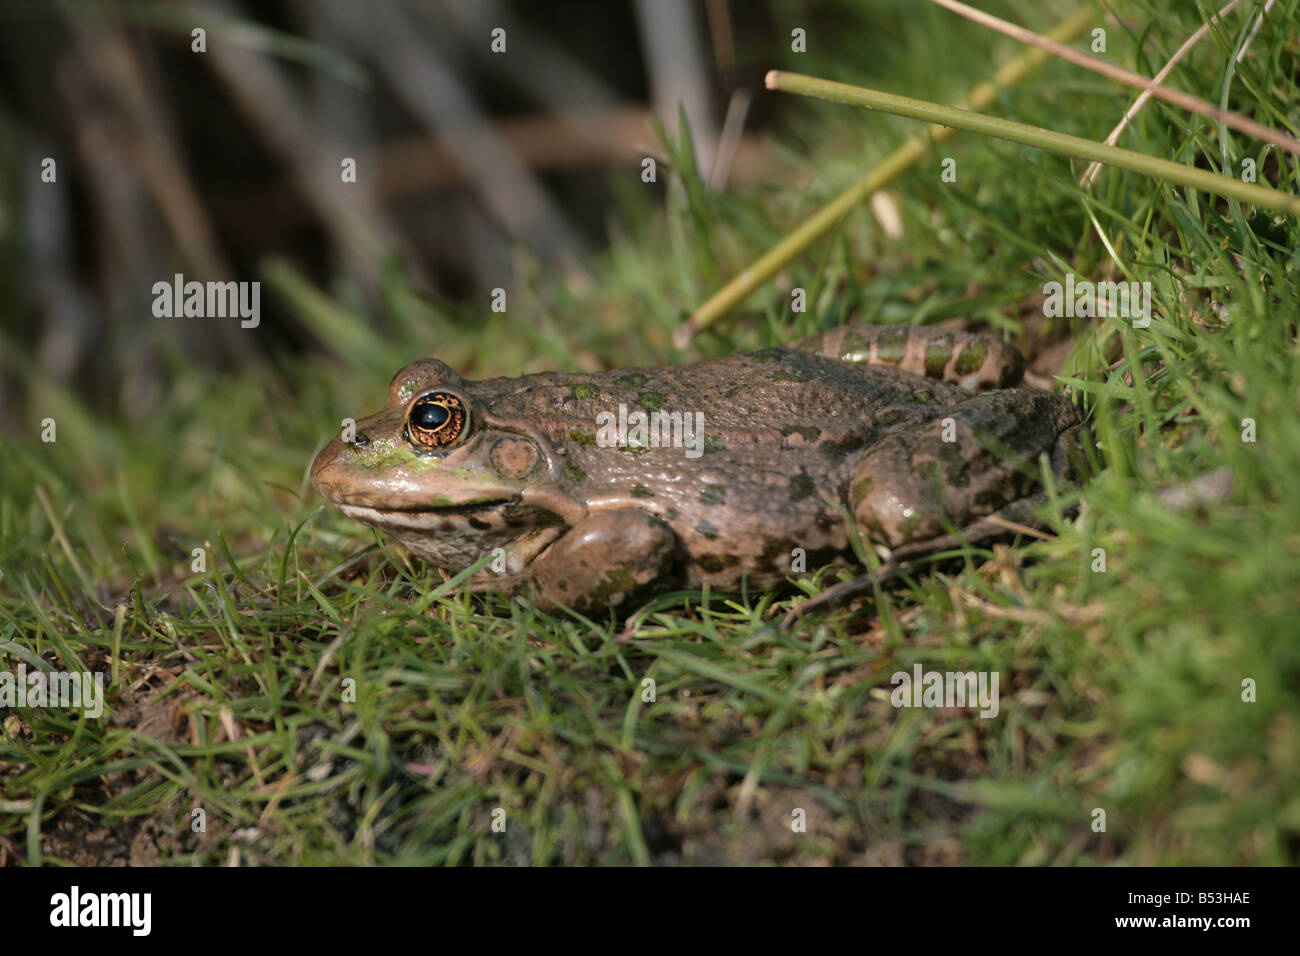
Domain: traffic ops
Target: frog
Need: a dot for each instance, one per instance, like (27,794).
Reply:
(598,490)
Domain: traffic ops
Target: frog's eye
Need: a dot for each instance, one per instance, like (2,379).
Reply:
(436,420)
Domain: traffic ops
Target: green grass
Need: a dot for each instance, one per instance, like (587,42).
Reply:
(1121,690)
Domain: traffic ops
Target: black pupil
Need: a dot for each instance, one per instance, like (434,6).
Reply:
(430,416)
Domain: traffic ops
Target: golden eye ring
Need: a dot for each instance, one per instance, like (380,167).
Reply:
(436,419)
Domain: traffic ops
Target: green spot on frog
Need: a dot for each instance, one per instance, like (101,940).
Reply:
(957,475)
(971,359)
(801,486)
(635,380)
(710,562)
(936,358)
(546,519)
(574,474)
(651,401)
(854,348)
(849,443)
(713,494)
(713,443)
(789,375)
(641,491)
(618,580)
(706,530)
(858,493)
(890,417)
(385,454)
(891,346)
(910,524)
(807,432)
(584,390)
(582,436)
(775,550)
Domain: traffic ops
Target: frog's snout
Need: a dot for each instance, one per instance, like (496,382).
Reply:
(325,477)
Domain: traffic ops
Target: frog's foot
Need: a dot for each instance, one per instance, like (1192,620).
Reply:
(841,592)
(917,484)
(971,360)
(1017,518)
(606,560)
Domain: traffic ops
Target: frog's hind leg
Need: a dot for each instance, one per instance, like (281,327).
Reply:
(974,361)
(1017,518)
(917,483)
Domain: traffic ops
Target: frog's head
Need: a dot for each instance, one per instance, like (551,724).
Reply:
(431,463)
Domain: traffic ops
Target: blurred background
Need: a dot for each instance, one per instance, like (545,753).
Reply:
(488,138)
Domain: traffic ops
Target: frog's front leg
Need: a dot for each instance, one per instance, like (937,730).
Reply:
(970,462)
(605,560)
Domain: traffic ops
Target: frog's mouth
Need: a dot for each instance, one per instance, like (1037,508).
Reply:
(424,516)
